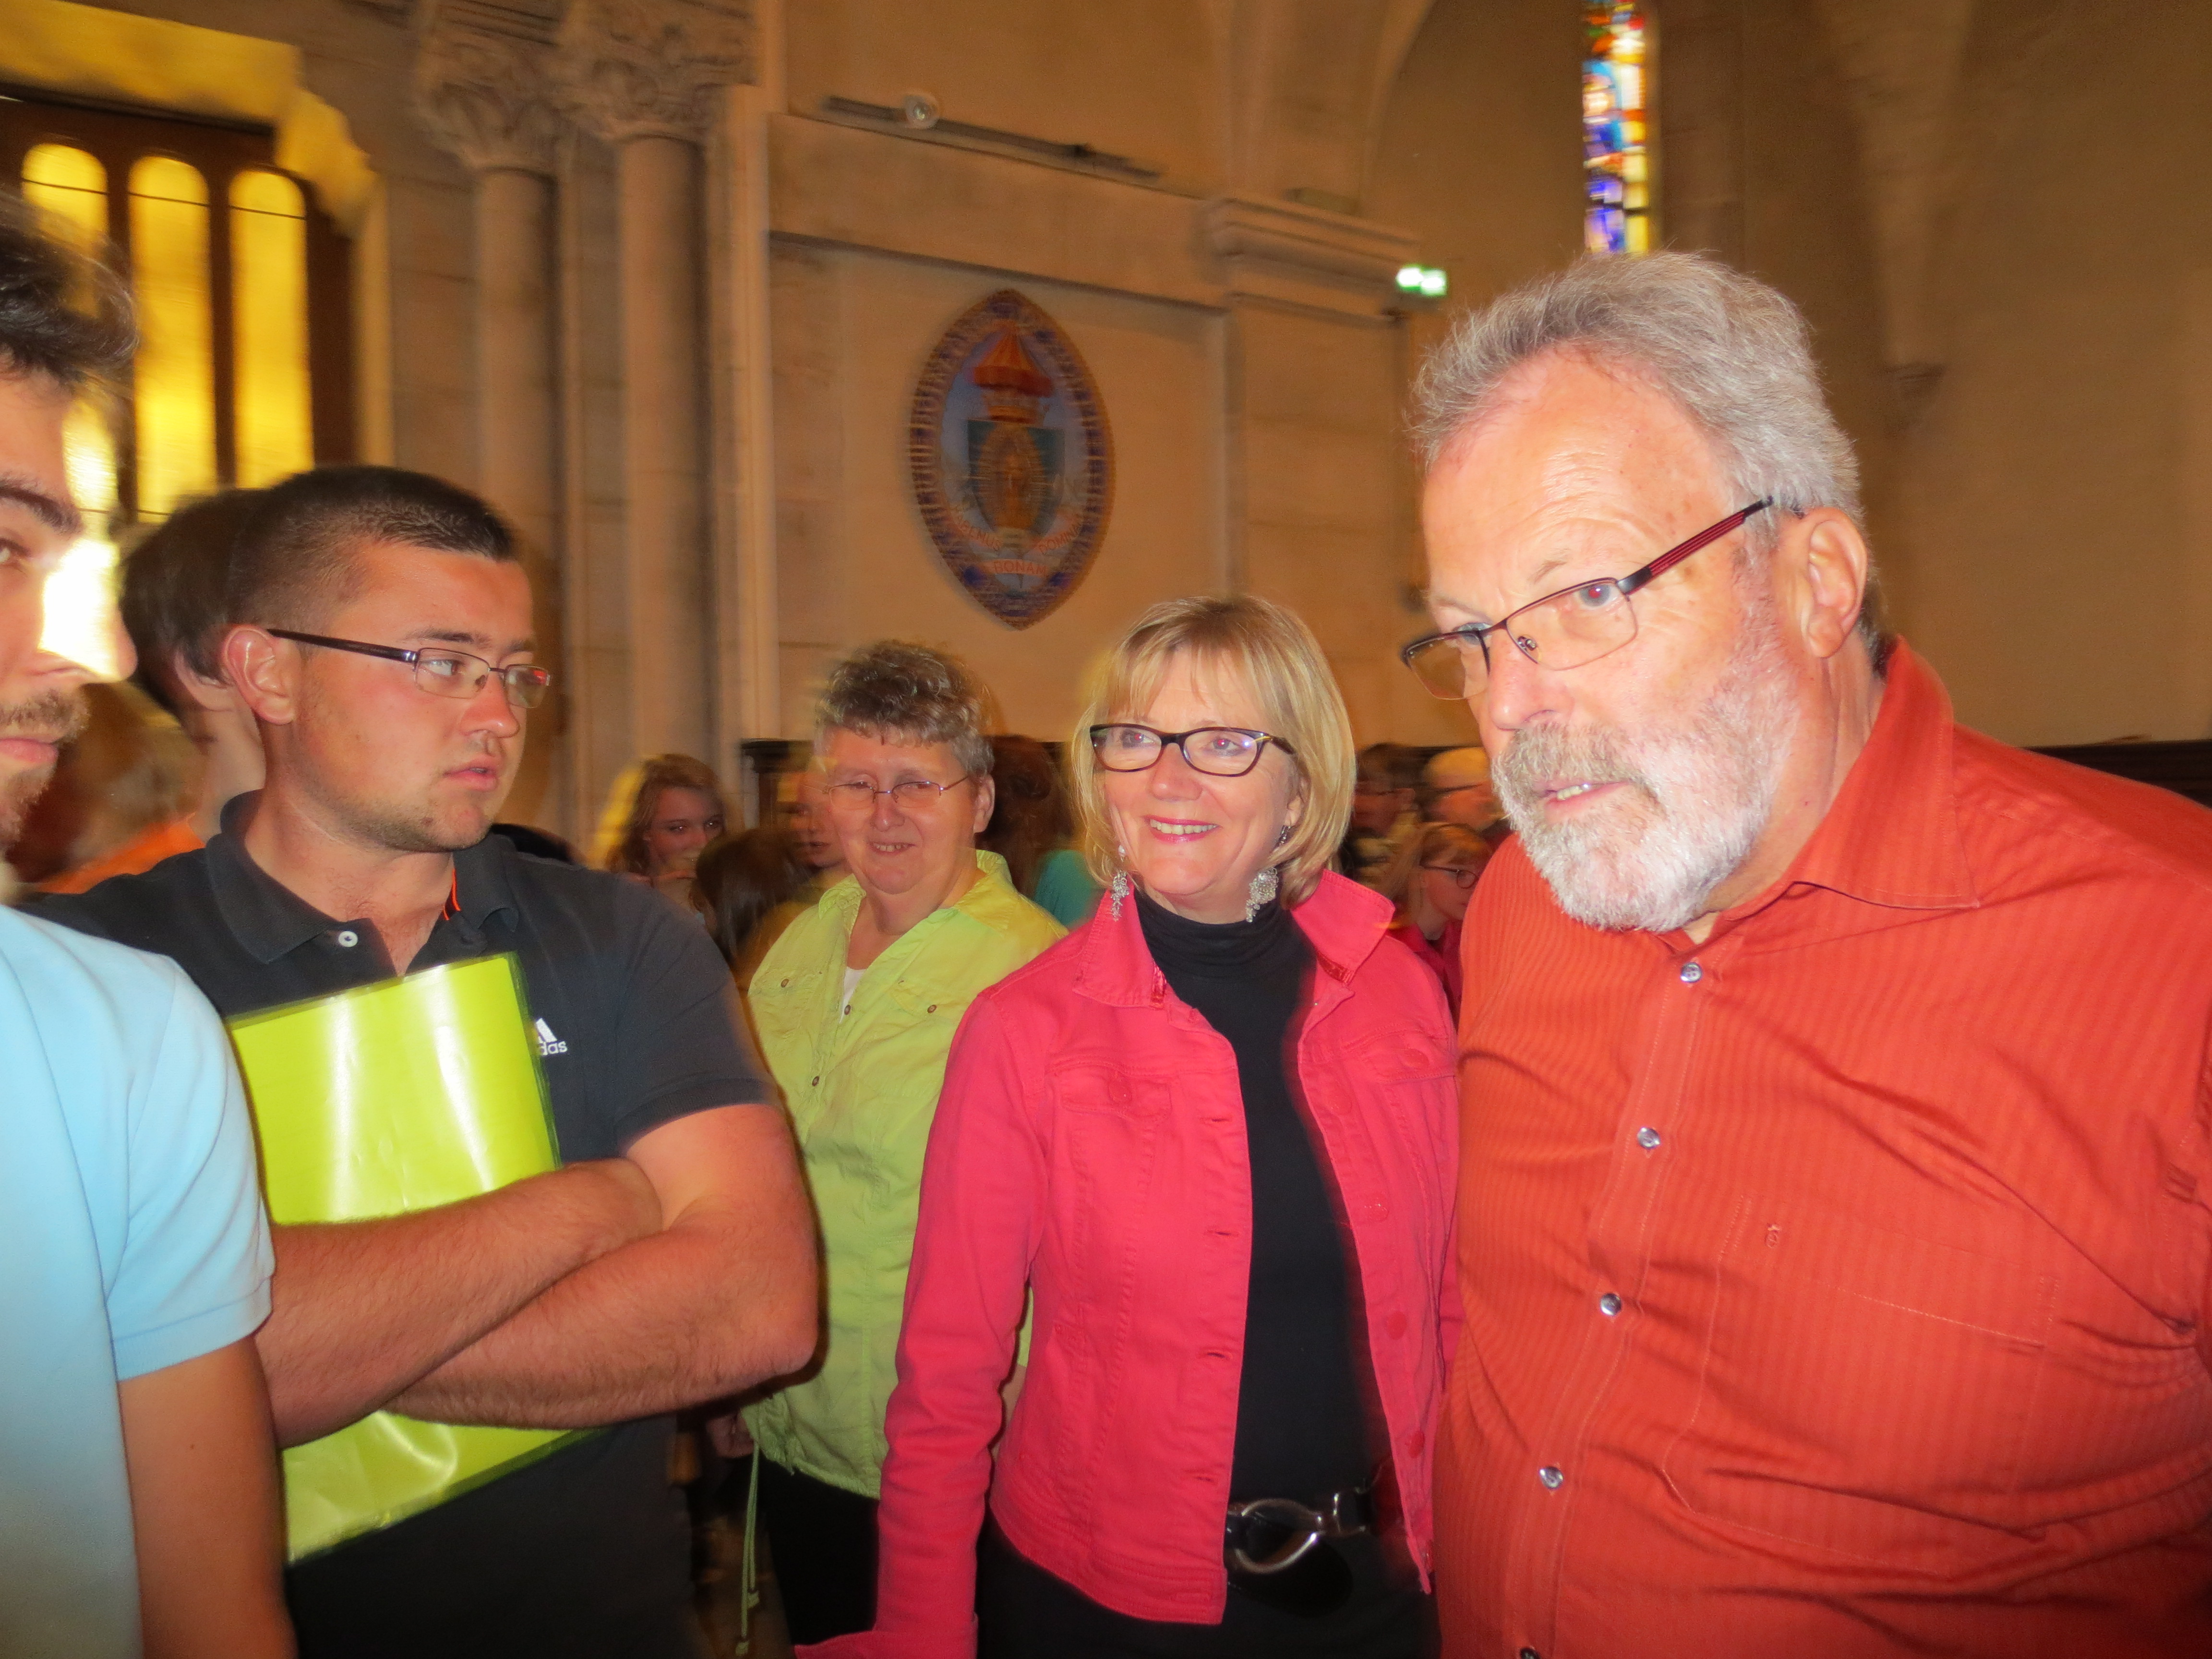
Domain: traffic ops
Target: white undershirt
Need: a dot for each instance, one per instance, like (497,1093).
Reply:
(852,984)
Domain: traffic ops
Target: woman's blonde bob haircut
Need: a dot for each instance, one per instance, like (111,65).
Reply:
(1268,650)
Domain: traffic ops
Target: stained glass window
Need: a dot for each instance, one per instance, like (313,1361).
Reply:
(269,328)
(173,379)
(69,187)
(239,281)
(1616,133)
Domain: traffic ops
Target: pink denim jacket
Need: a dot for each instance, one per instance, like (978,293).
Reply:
(1089,1145)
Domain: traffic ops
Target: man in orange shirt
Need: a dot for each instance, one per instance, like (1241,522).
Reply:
(1833,1223)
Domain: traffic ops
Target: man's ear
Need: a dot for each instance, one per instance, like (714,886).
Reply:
(1828,578)
(264,672)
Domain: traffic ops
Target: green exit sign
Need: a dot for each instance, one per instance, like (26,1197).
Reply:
(1427,281)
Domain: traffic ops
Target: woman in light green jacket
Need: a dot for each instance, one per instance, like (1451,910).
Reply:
(856,1005)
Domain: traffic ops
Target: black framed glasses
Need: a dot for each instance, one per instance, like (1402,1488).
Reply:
(1459,874)
(442,670)
(1567,630)
(1220,751)
(910,795)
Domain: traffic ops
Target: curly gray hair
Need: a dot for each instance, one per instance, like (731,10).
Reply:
(907,693)
(1735,355)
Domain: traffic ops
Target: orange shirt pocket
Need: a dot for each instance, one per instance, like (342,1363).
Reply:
(1863,1391)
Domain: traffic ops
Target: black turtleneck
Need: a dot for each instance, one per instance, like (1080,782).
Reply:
(1301,1425)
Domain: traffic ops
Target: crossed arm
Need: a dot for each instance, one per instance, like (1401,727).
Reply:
(596,1293)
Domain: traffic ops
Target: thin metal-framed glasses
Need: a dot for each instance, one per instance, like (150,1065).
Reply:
(442,671)
(1567,630)
(910,795)
(1220,751)
(1461,875)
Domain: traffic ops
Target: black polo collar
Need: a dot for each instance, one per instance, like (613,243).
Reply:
(270,921)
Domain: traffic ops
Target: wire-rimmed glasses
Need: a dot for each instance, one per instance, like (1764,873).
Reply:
(442,670)
(909,794)
(1220,751)
(1567,630)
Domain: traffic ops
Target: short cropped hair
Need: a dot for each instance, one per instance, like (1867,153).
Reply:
(172,598)
(1733,354)
(1274,655)
(63,318)
(293,559)
(901,692)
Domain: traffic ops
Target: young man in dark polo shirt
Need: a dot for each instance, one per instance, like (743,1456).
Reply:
(670,1261)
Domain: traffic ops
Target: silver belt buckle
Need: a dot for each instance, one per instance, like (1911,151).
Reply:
(1283,1511)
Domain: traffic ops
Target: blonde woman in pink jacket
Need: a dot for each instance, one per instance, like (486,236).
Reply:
(1212,1135)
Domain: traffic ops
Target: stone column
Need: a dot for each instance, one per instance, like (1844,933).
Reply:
(646,77)
(1316,393)
(747,649)
(483,86)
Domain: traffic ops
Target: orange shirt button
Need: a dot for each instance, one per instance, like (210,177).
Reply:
(1552,1478)
(1608,1304)
(1691,973)
(1648,1138)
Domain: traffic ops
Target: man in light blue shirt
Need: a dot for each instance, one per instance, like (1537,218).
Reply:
(138,1487)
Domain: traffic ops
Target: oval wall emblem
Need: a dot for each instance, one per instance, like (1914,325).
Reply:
(1013,463)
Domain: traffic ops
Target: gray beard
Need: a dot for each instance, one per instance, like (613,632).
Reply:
(1700,793)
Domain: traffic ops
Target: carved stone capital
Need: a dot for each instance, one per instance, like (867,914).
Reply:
(1289,250)
(484,82)
(634,69)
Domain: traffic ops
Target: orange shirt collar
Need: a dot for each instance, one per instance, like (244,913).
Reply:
(1892,836)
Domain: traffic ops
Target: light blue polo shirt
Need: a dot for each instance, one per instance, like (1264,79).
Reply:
(131,1238)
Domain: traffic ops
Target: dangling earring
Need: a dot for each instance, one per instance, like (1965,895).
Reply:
(1264,888)
(1120,886)
(1267,884)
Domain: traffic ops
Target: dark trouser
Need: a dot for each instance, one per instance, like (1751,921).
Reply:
(1023,1612)
(822,1539)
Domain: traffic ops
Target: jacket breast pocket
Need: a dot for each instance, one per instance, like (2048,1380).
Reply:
(1863,1391)
(1409,1094)
(1093,1090)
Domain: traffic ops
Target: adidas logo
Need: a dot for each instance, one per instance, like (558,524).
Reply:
(547,1042)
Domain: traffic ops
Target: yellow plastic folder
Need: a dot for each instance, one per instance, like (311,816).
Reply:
(397,1096)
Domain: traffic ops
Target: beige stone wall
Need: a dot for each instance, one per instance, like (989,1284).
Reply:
(1985,212)
(1976,207)
(2055,487)
(852,330)
(1142,78)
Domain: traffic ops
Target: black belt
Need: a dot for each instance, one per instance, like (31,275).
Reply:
(1271,1535)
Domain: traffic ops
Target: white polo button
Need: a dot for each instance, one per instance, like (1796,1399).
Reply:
(1692,972)
(1552,1478)
(1648,1138)
(348,938)
(1608,1304)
